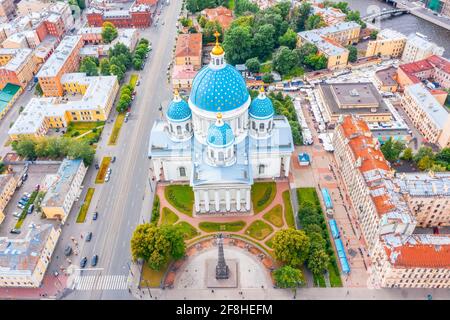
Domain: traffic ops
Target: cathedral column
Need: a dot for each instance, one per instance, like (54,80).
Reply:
(228,200)
(217,200)
(197,201)
(247,200)
(206,198)
(238,200)
(287,162)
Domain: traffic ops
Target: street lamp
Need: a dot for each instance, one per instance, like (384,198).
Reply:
(148,287)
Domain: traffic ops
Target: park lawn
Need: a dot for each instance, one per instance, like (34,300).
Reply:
(307,195)
(168,216)
(151,278)
(288,212)
(275,216)
(263,194)
(333,274)
(266,67)
(269,243)
(133,79)
(85,207)
(155,210)
(233,226)
(259,230)
(25,209)
(116,129)
(187,230)
(319,281)
(82,127)
(181,197)
(100,178)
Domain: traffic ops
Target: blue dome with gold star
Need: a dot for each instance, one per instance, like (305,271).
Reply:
(217,90)
(261,107)
(220,134)
(178,110)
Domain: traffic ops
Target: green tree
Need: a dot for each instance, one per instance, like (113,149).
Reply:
(291,246)
(264,41)
(253,65)
(81,4)
(423,152)
(373,34)
(288,39)
(122,105)
(186,22)
(316,61)
(314,21)
(267,78)
(2,167)
(407,154)
(353,53)
(443,155)
(355,16)
(109,32)
(288,277)
(137,64)
(318,261)
(202,21)
(425,163)
(81,149)
(301,14)
(391,149)
(305,50)
(316,239)
(208,31)
(284,60)
(104,67)
(343,6)
(25,148)
(117,71)
(243,6)
(238,45)
(38,89)
(88,66)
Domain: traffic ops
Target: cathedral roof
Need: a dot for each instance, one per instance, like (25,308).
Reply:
(261,107)
(220,134)
(178,109)
(221,89)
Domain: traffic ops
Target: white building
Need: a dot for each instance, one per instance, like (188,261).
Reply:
(220,140)
(418,48)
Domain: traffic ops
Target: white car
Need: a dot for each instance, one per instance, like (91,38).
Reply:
(107,178)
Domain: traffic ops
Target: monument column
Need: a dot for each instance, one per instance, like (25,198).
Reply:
(197,201)
(206,198)
(228,200)
(247,200)
(238,200)
(217,200)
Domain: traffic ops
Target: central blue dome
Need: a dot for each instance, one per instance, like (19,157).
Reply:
(220,135)
(218,88)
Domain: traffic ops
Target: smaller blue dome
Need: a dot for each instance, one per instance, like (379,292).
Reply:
(261,107)
(178,110)
(220,134)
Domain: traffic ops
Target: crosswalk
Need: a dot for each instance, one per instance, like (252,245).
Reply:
(100,282)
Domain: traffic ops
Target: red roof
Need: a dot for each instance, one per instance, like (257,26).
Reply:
(428,64)
(188,45)
(420,256)
(222,15)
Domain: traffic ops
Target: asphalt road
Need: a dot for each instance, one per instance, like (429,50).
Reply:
(127,194)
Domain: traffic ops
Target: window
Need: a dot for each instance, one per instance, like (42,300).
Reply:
(212,153)
(182,172)
(253,125)
(179,130)
(221,157)
(261,126)
(187,127)
(261,169)
(171,128)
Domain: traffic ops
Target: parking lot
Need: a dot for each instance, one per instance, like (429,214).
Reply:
(36,175)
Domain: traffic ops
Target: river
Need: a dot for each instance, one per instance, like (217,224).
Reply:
(405,24)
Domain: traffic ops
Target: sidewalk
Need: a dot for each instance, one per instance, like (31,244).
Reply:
(51,287)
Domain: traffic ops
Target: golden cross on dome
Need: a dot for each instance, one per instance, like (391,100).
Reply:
(217,34)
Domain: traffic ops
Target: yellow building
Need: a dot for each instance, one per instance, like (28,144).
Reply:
(388,43)
(41,114)
(62,193)
(8,184)
(331,42)
(24,260)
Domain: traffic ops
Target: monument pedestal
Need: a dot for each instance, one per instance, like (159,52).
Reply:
(212,282)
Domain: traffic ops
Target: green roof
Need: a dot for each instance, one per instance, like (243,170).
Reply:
(7,94)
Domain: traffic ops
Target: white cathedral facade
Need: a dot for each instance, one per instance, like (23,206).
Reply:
(220,140)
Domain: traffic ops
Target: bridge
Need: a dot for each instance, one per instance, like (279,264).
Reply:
(385,13)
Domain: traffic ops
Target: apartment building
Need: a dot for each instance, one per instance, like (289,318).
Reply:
(427,114)
(8,95)
(7,9)
(222,15)
(137,16)
(330,15)
(183,76)
(24,260)
(385,79)
(64,59)
(16,67)
(188,50)
(418,48)
(434,68)
(8,184)
(399,257)
(41,114)
(60,196)
(331,42)
(388,43)
(427,196)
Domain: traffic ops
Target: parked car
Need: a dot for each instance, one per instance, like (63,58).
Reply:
(22,202)
(89,237)
(126,119)
(37,187)
(95,216)
(97,166)
(107,178)
(83,262)
(25,177)
(68,251)
(94,260)
(138,82)
(113,159)
(30,209)
(17,214)
(15,231)
(21,206)
(108,172)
